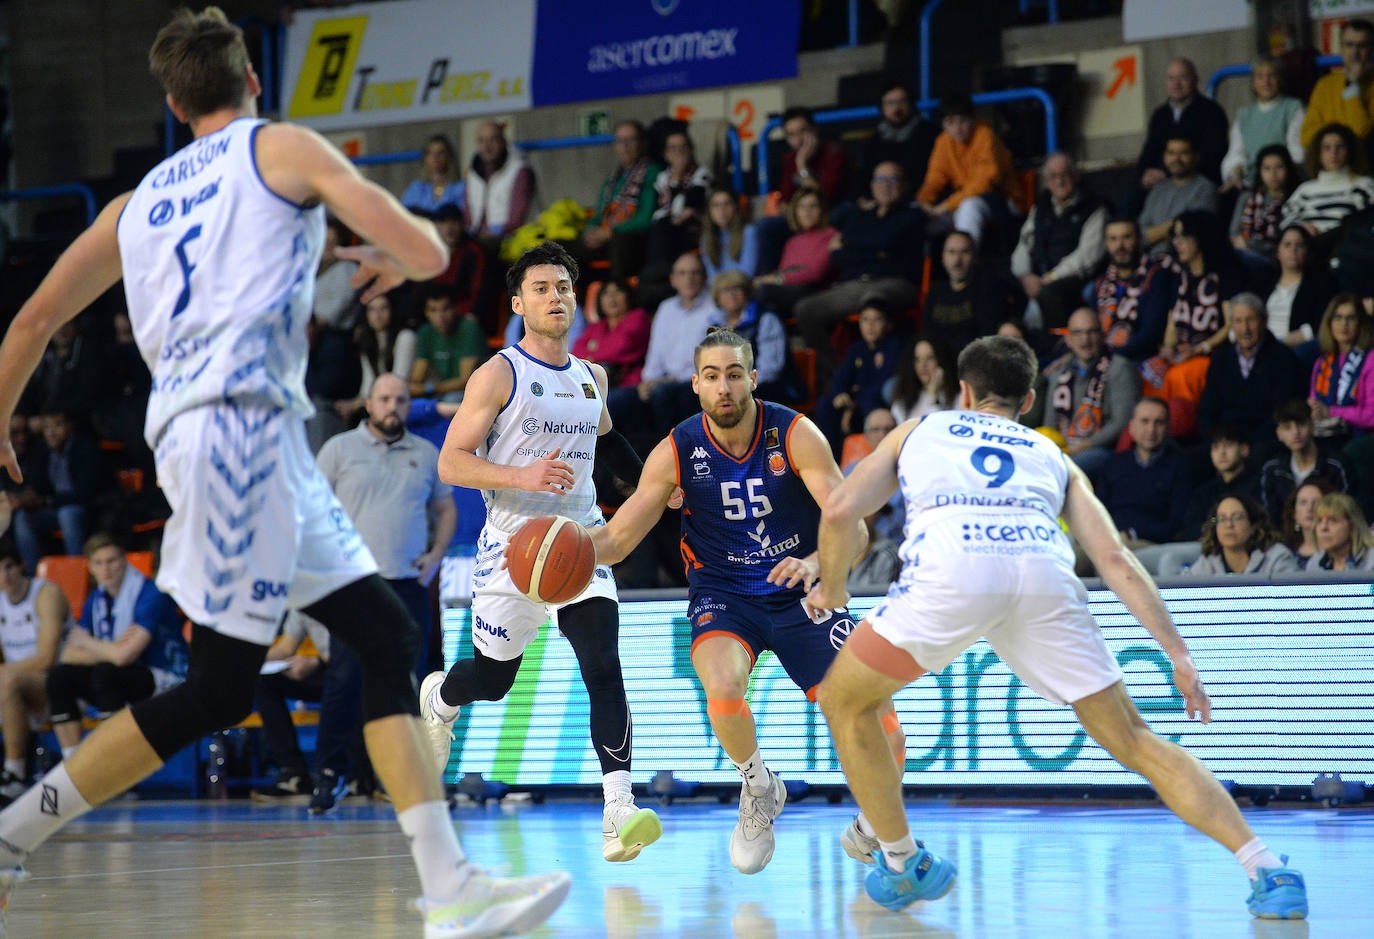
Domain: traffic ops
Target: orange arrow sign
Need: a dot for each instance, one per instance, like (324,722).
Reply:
(1125,73)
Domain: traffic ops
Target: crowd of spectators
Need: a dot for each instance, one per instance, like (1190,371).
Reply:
(1184,321)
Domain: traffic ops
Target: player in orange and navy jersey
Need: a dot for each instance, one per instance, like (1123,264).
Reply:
(753,475)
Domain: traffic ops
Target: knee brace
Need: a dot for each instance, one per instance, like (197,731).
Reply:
(372,620)
(217,693)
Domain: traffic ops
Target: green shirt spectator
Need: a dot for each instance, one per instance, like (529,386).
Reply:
(447,349)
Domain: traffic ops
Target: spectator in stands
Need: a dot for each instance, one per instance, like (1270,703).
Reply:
(1337,186)
(467,266)
(857,385)
(288,674)
(903,136)
(127,646)
(438,183)
(969,180)
(1249,376)
(619,228)
(927,380)
(1299,524)
(617,335)
(889,521)
(733,294)
(70,376)
(1089,394)
(680,193)
(664,395)
(499,187)
(1238,538)
(126,383)
(1257,220)
(1341,392)
(1274,120)
(1304,459)
(1184,190)
(1146,488)
(1344,541)
(332,374)
(1300,295)
(811,161)
(877,253)
(806,265)
(1062,243)
(1195,117)
(880,564)
(1205,276)
(728,242)
(972,301)
(447,348)
(1131,297)
(384,345)
(1347,96)
(68,475)
(33,617)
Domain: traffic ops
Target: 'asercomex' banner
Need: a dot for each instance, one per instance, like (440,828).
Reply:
(590,49)
(411,60)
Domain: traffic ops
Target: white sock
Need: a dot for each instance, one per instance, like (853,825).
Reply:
(438,856)
(754,771)
(865,828)
(446,711)
(67,752)
(15,768)
(896,853)
(615,786)
(36,815)
(1253,855)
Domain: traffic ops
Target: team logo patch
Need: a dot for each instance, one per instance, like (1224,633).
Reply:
(588,390)
(770,437)
(536,389)
(530,425)
(602,573)
(701,470)
(776,464)
(705,619)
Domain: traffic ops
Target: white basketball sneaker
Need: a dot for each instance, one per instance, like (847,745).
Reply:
(627,829)
(497,906)
(858,845)
(438,730)
(751,845)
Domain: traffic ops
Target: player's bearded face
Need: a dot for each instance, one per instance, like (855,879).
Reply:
(725,393)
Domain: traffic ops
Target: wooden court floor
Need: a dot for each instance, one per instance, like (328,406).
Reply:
(151,869)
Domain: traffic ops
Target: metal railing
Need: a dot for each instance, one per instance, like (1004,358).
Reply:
(49,192)
(1245,68)
(864,113)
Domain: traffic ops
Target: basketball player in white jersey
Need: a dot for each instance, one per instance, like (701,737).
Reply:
(34,616)
(526,434)
(984,556)
(218,247)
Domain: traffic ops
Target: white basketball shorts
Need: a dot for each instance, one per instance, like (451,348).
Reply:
(504,620)
(255,528)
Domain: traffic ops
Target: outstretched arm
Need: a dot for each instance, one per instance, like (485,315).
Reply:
(815,464)
(632,521)
(1125,576)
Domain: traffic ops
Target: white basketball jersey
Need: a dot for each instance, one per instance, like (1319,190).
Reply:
(19,624)
(961,463)
(219,272)
(550,408)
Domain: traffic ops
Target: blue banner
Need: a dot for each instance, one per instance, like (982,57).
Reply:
(586,50)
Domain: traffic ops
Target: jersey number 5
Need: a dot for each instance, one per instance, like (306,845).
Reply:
(735,508)
(184,298)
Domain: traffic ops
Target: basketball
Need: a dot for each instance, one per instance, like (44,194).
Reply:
(551,559)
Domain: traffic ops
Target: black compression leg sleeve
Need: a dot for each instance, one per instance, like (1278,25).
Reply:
(478,679)
(370,618)
(217,693)
(592,628)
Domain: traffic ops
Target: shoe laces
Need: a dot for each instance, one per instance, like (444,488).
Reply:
(758,811)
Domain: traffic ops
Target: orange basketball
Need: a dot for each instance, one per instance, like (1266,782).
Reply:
(551,559)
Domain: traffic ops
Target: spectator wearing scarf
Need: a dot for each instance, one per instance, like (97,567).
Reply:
(1342,391)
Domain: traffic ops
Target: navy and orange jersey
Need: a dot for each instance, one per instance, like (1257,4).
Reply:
(741,516)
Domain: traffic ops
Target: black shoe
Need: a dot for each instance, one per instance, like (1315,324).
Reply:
(11,787)
(288,789)
(328,792)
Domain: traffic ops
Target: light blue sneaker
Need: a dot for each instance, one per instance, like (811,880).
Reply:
(1278,893)
(927,876)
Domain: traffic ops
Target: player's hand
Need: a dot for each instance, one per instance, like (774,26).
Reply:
(377,270)
(6,513)
(1195,701)
(9,460)
(548,475)
(822,600)
(427,565)
(675,500)
(792,572)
